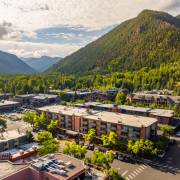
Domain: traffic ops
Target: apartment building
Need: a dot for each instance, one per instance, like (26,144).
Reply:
(162,115)
(11,139)
(161,100)
(81,120)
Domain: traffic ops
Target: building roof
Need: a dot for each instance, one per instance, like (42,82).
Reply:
(140,95)
(45,96)
(7,103)
(133,108)
(91,103)
(8,135)
(129,120)
(8,168)
(125,119)
(65,110)
(162,112)
(70,165)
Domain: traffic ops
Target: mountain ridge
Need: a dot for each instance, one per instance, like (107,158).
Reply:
(11,64)
(42,63)
(144,41)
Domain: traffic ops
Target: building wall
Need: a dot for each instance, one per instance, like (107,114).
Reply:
(23,174)
(12,143)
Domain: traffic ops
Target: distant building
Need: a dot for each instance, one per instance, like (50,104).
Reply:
(6,105)
(36,100)
(81,120)
(50,167)
(11,139)
(160,100)
(88,95)
(22,152)
(6,96)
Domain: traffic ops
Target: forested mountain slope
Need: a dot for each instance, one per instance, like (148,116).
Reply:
(148,40)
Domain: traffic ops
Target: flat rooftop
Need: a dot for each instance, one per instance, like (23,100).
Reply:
(156,112)
(7,168)
(125,119)
(133,108)
(8,135)
(162,112)
(65,110)
(112,117)
(71,166)
(6,103)
(44,96)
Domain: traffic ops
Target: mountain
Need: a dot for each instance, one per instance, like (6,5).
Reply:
(150,39)
(41,64)
(178,16)
(11,64)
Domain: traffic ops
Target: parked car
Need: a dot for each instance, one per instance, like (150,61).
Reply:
(90,146)
(162,154)
(178,134)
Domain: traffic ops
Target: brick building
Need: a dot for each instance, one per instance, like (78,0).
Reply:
(160,100)
(162,115)
(50,167)
(82,119)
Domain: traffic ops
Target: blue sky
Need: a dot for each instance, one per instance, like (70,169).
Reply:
(32,28)
(67,34)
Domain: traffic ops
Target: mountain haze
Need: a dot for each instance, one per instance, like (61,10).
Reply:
(42,63)
(11,64)
(150,39)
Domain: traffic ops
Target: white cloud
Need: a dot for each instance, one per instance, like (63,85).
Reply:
(36,14)
(28,49)
(25,17)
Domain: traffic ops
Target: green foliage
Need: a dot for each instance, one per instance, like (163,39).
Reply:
(161,143)
(76,150)
(114,175)
(29,136)
(44,136)
(3,122)
(40,121)
(142,148)
(166,130)
(90,136)
(47,142)
(102,159)
(120,98)
(53,126)
(164,77)
(111,140)
(49,146)
(148,40)
(29,117)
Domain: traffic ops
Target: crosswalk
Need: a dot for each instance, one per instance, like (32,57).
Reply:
(135,173)
(130,175)
(166,166)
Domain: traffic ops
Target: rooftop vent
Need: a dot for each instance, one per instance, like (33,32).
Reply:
(68,164)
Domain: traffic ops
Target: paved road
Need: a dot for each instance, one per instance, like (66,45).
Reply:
(167,169)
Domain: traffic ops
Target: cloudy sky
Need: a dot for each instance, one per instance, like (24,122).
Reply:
(59,27)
